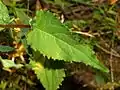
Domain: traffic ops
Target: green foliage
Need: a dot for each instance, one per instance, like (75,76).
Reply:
(80,23)
(100,80)
(4,16)
(3,85)
(55,42)
(51,38)
(20,13)
(105,18)
(9,64)
(50,78)
(6,48)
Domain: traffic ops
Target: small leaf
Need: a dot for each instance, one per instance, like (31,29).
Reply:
(6,48)
(53,39)
(112,12)
(4,16)
(22,15)
(3,85)
(9,64)
(8,2)
(50,78)
(99,79)
(110,20)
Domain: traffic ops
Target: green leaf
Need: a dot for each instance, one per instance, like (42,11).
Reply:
(8,2)
(6,48)
(100,80)
(3,85)
(22,15)
(110,20)
(50,78)
(4,16)
(9,64)
(52,39)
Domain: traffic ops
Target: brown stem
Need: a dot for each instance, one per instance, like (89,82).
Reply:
(15,26)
